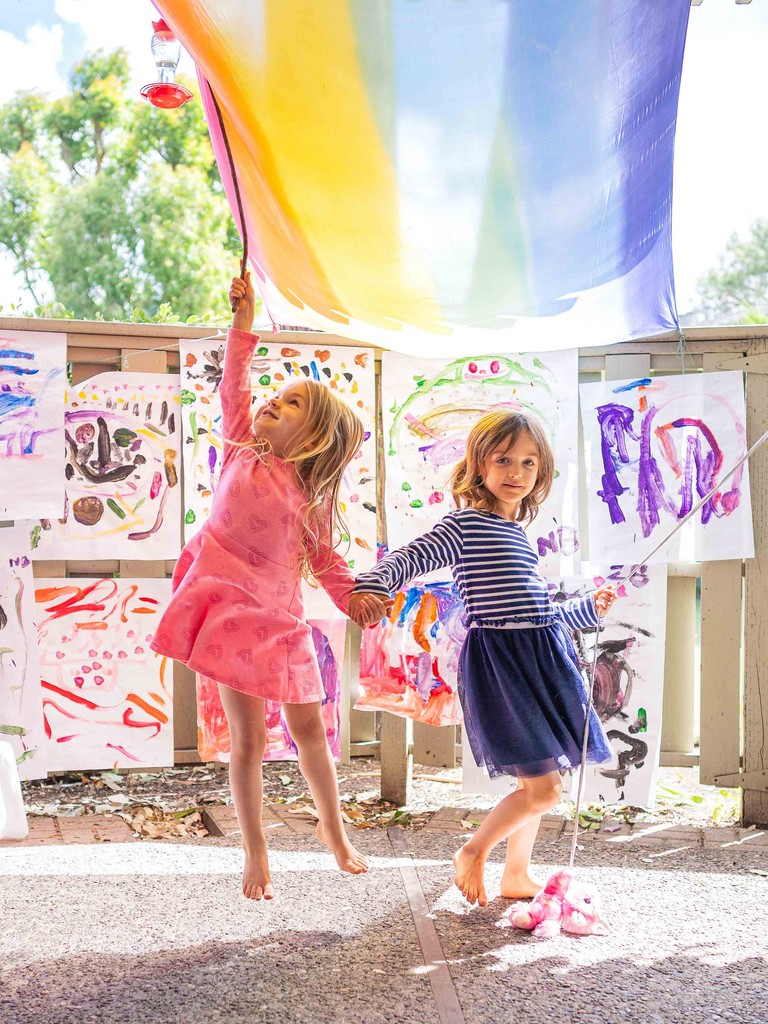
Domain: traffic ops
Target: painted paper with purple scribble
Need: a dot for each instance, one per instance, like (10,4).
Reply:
(655,447)
(629,680)
(213,742)
(107,697)
(32,381)
(21,710)
(123,471)
(408,663)
(430,406)
(348,372)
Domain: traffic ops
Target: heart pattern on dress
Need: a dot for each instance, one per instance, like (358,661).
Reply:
(246,656)
(260,632)
(214,650)
(256,558)
(226,518)
(256,523)
(231,626)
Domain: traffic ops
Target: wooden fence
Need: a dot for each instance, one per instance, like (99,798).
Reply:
(732,672)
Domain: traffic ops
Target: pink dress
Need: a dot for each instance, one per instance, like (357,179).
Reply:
(236,614)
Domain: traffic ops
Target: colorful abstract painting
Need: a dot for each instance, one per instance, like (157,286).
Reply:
(122,465)
(349,372)
(429,408)
(452,178)
(654,448)
(32,382)
(408,663)
(213,742)
(21,709)
(107,698)
(629,681)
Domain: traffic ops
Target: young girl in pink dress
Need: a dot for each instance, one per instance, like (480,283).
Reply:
(236,614)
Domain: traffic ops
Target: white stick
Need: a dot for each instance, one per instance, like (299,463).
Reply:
(695,509)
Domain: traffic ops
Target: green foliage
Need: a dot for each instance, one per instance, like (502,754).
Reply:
(114,206)
(737,291)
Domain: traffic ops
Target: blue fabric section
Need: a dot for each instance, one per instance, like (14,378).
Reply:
(524,702)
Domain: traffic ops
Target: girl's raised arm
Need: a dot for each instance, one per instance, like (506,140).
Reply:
(235,387)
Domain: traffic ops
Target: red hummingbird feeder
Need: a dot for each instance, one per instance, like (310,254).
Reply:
(166,91)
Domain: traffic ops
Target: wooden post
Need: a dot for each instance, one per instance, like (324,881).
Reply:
(435,745)
(720,728)
(396,759)
(396,747)
(677,709)
(755,806)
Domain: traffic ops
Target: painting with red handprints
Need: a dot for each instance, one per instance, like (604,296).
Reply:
(107,697)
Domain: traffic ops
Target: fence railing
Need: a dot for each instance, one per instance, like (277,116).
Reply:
(732,667)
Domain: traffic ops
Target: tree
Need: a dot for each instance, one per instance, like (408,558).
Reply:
(114,206)
(737,291)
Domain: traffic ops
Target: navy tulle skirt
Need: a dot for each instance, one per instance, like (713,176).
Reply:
(525,700)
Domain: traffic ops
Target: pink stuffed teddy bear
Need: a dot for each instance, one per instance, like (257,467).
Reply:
(560,906)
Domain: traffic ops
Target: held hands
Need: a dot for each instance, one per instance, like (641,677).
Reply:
(604,598)
(242,299)
(368,609)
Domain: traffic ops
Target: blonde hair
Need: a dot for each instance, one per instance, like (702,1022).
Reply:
(321,451)
(501,430)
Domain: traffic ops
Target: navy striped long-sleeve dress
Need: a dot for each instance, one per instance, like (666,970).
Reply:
(521,691)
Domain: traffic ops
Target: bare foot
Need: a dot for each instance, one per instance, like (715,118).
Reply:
(520,887)
(470,877)
(256,880)
(347,857)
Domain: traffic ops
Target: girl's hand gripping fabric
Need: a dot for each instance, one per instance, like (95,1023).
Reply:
(242,299)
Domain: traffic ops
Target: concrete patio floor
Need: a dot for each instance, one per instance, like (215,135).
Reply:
(100,927)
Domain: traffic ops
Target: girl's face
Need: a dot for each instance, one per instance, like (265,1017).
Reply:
(283,419)
(510,474)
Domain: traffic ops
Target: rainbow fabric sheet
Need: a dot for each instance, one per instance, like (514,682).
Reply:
(442,177)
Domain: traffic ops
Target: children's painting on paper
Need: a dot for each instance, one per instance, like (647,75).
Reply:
(654,448)
(122,466)
(107,697)
(21,709)
(429,408)
(408,663)
(32,381)
(349,372)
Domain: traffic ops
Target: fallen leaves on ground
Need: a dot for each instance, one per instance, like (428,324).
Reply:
(361,813)
(155,823)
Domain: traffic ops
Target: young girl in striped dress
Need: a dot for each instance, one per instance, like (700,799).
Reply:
(523,697)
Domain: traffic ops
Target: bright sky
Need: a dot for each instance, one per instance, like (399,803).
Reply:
(719,166)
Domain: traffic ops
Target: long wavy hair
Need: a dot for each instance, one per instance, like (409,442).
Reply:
(501,430)
(321,451)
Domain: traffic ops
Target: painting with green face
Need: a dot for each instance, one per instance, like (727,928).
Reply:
(431,405)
